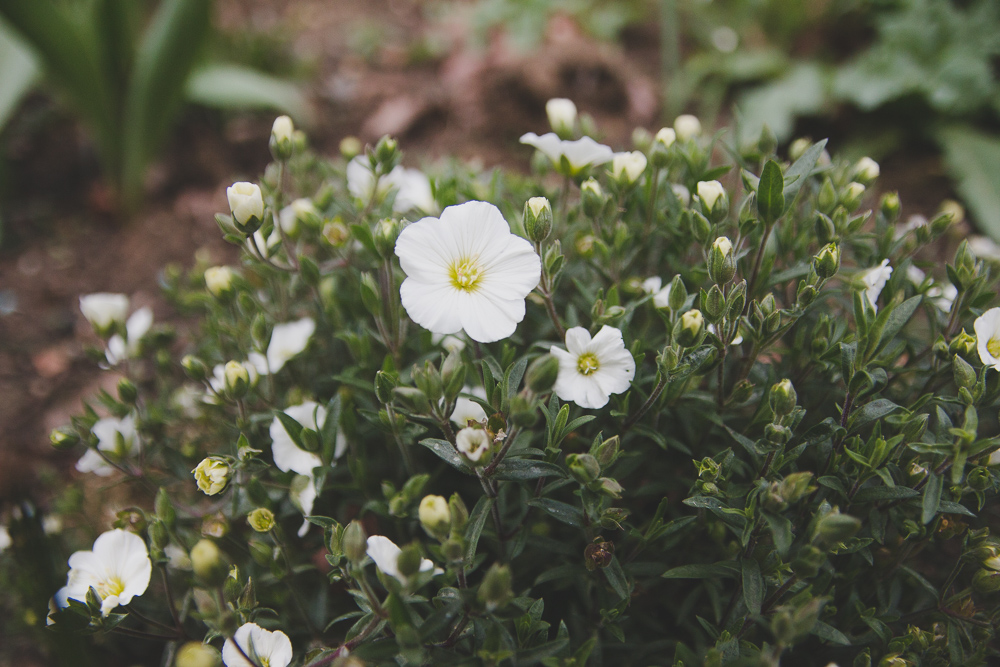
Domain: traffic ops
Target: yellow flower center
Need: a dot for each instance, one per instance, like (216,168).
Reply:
(587,363)
(466,274)
(113,585)
(994,346)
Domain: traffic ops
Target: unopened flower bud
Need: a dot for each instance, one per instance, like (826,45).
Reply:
(827,261)
(281,142)
(106,312)
(798,147)
(626,168)
(768,141)
(542,373)
(212,475)
(237,379)
(593,197)
(808,561)
(412,400)
(608,451)
(598,554)
(435,516)
(387,153)
(610,487)
(355,543)
(714,200)
(979,479)
(537,218)
(963,345)
(64,438)
(261,519)
(194,367)
(890,206)
(721,261)
(851,196)
(986,581)
(158,535)
(562,116)
(835,527)
(494,592)
(384,384)
(386,233)
(408,561)
(866,171)
(641,138)
(197,654)
(687,127)
(247,206)
(964,374)
(692,325)
(583,467)
(208,564)
(350,147)
(219,281)
(782,398)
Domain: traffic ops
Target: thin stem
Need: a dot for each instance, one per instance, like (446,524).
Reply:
(752,283)
(657,390)
(140,634)
(491,468)
(651,208)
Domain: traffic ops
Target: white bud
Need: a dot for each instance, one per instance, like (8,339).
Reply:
(709,193)
(562,115)
(282,129)
(628,166)
(539,204)
(103,310)
(666,137)
(219,280)
(212,475)
(724,245)
(866,170)
(245,201)
(687,127)
(682,193)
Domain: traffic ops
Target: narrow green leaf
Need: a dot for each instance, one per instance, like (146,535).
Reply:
(932,497)
(512,469)
(562,511)
(753,585)
(973,159)
(829,633)
(882,493)
(796,175)
(723,569)
(869,413)
(475,526)
(616,577)
(19,71)
(229,86)
(292,427)
(446,452)
(781,532)
(770,193)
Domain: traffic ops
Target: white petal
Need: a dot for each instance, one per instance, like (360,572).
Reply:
(577,340)
(385,553)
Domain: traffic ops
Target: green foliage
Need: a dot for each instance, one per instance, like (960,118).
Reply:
(808,479)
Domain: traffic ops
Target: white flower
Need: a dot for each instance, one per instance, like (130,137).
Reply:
(449,343)
(987,328)
(709,193)
(287,455)
(912,223)
(287,340)
(866,170)
(264,245)
(282,128)
(666,137)
(412,185)
(874,280)
(473,442)
(562,114)
(943,296)
(218,379)
(687,127)
(218,280)
(302,493)
(466,271)
(118,567)
(661,295)
(467,409)
(385,554)
(682,193)
(120,349)
(593,369)
(629,164)
(115,436)
(5,540)
(51,525)
(263,648)
(984,248)
(103,310)
(245,201)
(177,558)
(579,154)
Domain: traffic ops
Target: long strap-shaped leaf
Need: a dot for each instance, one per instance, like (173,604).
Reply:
(169,49)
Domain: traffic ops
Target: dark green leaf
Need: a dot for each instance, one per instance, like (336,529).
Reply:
(512,469)
(781,532)
(932,497)
(475,526)
(446,452)
(229,86)
(770,193)
(882,493)
(753,585)
(562,511)
(830,633)
(723,569)
(796,175)
(616,577)
(870,412)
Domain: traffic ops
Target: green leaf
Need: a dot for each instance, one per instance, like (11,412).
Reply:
(292,427)
(801,169)
(829,633)
(229,86)
(331,428)
(883,493)
(932,497)
(770,196)
(870,412)
(616,577)
(446,452)
(19,71)
(973,158)
(562,511)
(781,532)
(512,469)
(724,569)
(475,526)
(950,507)
(753,585)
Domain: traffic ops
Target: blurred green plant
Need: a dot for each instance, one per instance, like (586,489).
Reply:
(126,68)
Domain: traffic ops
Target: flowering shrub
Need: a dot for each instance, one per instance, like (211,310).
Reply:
(612,413)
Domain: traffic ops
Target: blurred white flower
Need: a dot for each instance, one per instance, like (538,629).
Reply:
(661,294)
(987,328)
(385,554)
(874,280)
(287,341)
(687,127)
(709,193)
(725,39)
(682,193)
(288,455)
(118,567)
(413,188)
(591,369)
(467,409)
(138,325)
(5,540)
(282,128)
(984,248)
(629,165)
(116,437)
(943,296)
(666,137)
(449,343)
(263,648)
(579,154)
(562,115)
(466,271)
(912,223)
(245,202)
(104,310)
(866,171)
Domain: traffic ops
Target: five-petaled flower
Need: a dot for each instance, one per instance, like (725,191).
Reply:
(987,328)
(253,646)
(118,568)
(591,369)
(466,271)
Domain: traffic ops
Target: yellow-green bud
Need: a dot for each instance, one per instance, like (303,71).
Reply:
(212,475)
(963,345)
(412,400)
(64,438)
(261,519)
(986,581)
(281,142)
(350,147)
(386,233)
(979,478)
(827,198)
(714,200)
(194,367)
(208,564)
(890,206)
(459,515)
(219,281)
(610,487)
(583,467)
(408,561)
(808,561)
(355,542)
(851,196)
(387,153)
(608,451)
(542,374)
(722,261)
(826,263)
(866,171)
(196,654)
(435,516)
(798,147)
(495,590)
(593,197)
(692,325)
(835,527)
(642,138)
(782,398)
(537,218)
(237,379)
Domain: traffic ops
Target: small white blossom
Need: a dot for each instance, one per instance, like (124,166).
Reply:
(473,443)
(682,193)
(866,170)
(987,327)
(874,280)
(103,310)
(984,248)
(302,493)
(413,188)
(467,409)
(245,201)
(118,567)
(666,137)
(218,379)
(466,271)
(449,343)
(138,325)
(288,455)
(263,648)
(116,437)
(629,165)
(562,115)
(591,369)
(661,293)
(943,296)
(709,192)
(287,341)
(385,554)
(579,154)
(687,127)
(218,280)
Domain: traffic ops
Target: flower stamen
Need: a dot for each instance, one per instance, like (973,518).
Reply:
(465,274)
(587,363)
(993,346)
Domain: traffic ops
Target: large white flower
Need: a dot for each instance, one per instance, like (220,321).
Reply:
(579,154)
(591,369)
(104,309)
(288,455)
(263,648)
(661,294)
(117,437)
(413,188)
(987,328)
(287,340)
(874,280)
(118,567)
(385,553)
(120,349)
(466,271)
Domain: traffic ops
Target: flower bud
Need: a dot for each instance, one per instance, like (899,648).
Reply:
(387,154)
(851,196)
(194,367)
(494,592)
(281,142)
(986,581)
(583,467)
(561,113)
(808,561)
(626,168)
(593,197)
(979,479)
(609,487)
(435,516)
(537,218)
(336,233)
(641,138)
(247,206)
(158,535)
(782,398)
(237,379)
(721,261)
(106,312)
(826,263)
(215,525)
(964,374)
(219,281)
(197,654)
(261,519)
(796,485)
(355,543)
(261,552)
(408,561)
(714,200)
(208,564)
(350,147)
(687,127)
(542,374)
(611,518)
(691,328)
(773,500)
(798,147)
(768,141)
(834,528)
(459,515)
(678,294)
(64,438)
(386,233)
(866,171)
(212,475)
(384,384)
(890,206)
(607,452)
(659,152)
(412,400)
